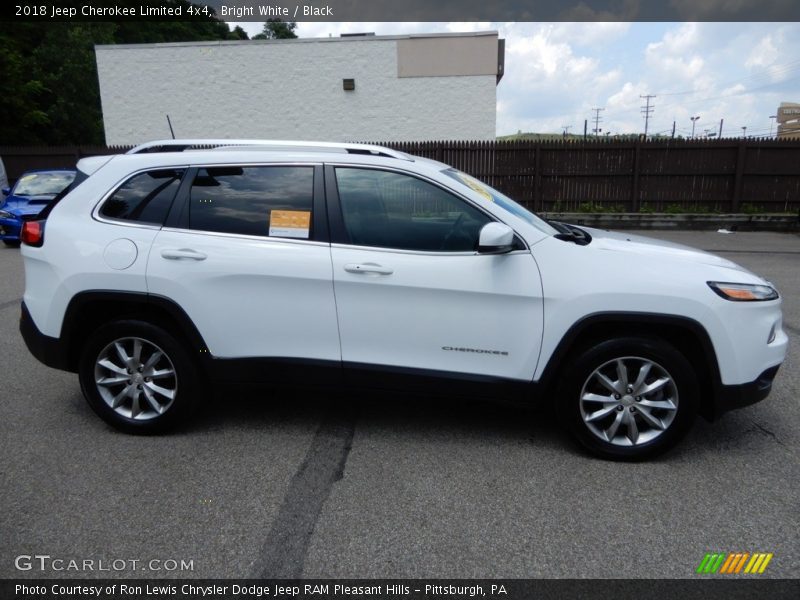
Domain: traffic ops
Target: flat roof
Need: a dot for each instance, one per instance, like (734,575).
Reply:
(348,38)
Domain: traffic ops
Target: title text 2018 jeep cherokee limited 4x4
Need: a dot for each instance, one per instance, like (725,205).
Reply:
(196,260)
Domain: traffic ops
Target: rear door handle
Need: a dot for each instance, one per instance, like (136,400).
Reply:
(182,253)
(368,268)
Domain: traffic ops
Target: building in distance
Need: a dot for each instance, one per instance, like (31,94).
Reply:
(352,88)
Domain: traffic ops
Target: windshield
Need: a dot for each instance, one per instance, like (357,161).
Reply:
(492,195)
(43,184)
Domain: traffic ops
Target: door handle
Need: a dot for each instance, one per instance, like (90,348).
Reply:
(173,254)
(368,268)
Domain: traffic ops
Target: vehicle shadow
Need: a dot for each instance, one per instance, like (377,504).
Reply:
(265,410)
(251,407)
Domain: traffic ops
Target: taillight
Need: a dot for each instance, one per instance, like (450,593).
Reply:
(32,233)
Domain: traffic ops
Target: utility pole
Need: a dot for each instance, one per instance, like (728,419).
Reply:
(694,122)
(673,130)
(647,111)
(597,120)
(771,123)
(566,129)
(720,127)
(585,125)
(744,131)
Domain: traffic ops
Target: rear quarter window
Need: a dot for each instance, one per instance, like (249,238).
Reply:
(144,198)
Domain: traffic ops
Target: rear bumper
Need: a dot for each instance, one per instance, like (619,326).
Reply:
(47,350)
(731,397)
(9,230)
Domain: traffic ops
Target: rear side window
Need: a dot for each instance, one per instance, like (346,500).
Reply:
(264,201)
(144,198)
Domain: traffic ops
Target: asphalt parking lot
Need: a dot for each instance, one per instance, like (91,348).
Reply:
(288,485)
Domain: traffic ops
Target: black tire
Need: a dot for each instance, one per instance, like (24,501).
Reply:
(12,243)
(582,384)
(184,384)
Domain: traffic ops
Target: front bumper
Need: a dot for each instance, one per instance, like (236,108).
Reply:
(47,350)
(731,397)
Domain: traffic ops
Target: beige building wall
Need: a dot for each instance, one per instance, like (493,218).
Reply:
(447,57)
(415,88)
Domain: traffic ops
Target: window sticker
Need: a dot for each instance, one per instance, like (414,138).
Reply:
(290,223)
(475,185)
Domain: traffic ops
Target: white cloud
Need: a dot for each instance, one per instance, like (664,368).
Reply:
(555,73)
(676,57)
(763,54)
(626,98)
(588,34)
(537,55)
(462,27)
(682,40)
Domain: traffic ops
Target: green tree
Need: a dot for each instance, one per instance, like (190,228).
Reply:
(49,73)
(238,34)
(275,29)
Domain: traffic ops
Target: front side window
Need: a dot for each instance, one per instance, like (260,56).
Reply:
(492,195)
(264,201)
(391,210)
(144,198)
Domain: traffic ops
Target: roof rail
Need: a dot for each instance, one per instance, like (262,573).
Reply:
(209,144)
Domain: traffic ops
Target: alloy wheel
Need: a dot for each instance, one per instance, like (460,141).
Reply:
(136,378)
(629,401)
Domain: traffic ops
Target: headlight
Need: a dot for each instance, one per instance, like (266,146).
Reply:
(7,215)
(743,292)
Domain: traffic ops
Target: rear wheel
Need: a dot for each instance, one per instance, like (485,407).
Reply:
(137,377)
(629,399)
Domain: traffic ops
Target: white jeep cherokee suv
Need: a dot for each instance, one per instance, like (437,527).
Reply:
(186,262)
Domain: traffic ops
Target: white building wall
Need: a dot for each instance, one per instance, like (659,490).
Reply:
(285,90)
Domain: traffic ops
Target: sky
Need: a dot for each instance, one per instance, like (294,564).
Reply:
(556,73)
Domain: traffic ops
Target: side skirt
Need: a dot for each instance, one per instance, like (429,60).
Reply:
(312,374)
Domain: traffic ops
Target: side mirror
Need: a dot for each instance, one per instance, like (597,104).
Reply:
(6,191)
(496,238)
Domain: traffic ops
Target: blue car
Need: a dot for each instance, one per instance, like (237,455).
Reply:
(27,198)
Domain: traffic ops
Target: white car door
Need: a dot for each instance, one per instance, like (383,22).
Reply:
(411,290)
(248,260)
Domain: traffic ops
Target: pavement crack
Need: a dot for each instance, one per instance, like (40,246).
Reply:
(286,546)
(758,427)
(4,305)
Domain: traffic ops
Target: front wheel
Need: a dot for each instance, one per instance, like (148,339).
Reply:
(628,399)
(137,377)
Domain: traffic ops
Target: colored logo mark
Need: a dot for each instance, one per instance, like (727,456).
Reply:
(734,563)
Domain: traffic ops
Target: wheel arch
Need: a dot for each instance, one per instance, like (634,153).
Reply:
(91,309)
(687,335)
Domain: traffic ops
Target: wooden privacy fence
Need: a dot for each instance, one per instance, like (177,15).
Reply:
(632,176)
(727,175)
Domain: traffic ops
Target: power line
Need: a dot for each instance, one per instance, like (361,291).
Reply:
(769,73)
(734,94)
(597,120)
(647,110)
